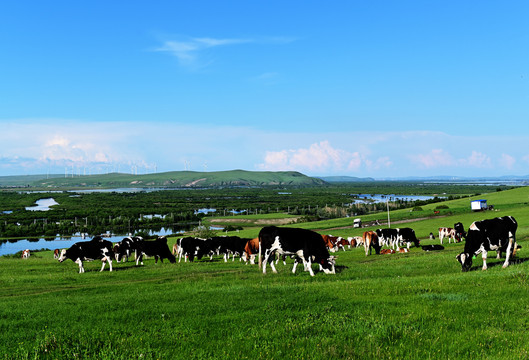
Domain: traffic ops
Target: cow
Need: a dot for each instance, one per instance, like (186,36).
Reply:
(356,241)
(498,234)
(387,237)
(371,240)
(157,248)
(25,254)
(191,248)
(460,231)
(407,236)
(251,249)
(123,249)
(328,240)
(306,245)
(95,249)
(56,253)
(432,247)
(230,245)
(387,251)
(447,232)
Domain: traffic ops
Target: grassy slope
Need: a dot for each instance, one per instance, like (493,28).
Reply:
(183,178)
(416,305)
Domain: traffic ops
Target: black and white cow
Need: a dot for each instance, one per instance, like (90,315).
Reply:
(190,247)
(97,248)
(407,236)
(387,237)
(157,248)
(460,231)
(498,234)
(230,246)
(306,245)
(124,248)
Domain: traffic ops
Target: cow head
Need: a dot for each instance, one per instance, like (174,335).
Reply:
(62,256)
(466,261)
(327,265)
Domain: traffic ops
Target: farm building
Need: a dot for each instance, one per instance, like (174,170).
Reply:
(478,205)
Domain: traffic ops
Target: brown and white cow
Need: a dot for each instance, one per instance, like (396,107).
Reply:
(251,249)
(56,253)
(371,241)
(448,232)
(25,254)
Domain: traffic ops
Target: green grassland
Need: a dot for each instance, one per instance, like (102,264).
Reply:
(417,305)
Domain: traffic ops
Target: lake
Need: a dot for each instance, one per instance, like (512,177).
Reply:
(14,246)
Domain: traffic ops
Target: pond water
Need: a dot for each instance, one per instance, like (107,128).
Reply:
(378,198)
(42,205)
(14,246)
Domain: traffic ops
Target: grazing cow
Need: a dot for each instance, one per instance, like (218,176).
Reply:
(123,249)
(387,237)
(328,240)
(387,251)
(97,248)
(432,247)
(56,253)
(25,254)
(460,231)
(371,240)
(356,241)
(306,245)
(407,236)
(251,249)
(498,234)
(157,248)
(190,247)
(229,245)
(342,243)
(447,232)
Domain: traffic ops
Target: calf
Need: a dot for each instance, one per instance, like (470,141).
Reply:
(498,234)
(56,253)
(25,254)
(447,232)
(97,248)
(387,251)
(157,248)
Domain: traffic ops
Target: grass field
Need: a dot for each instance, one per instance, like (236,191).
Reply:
(415,306)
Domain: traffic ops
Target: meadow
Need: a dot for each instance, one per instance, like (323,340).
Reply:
(417,305)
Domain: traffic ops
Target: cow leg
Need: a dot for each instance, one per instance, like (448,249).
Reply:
(308,266)
(509,250)
(294,267)
(484,257)
(80,263)
(498,254)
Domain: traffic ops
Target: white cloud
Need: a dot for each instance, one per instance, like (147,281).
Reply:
(434,159)
(319,158)
(187,51)
(507,161)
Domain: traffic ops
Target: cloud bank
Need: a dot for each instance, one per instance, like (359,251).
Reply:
(95,147)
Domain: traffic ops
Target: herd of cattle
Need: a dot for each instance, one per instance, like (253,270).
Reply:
(304,246)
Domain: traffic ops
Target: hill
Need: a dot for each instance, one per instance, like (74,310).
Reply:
(174,179)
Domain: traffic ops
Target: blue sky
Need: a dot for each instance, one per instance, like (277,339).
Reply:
(359,88)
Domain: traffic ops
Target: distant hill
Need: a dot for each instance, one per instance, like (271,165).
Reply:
(174,179)
(345,179)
